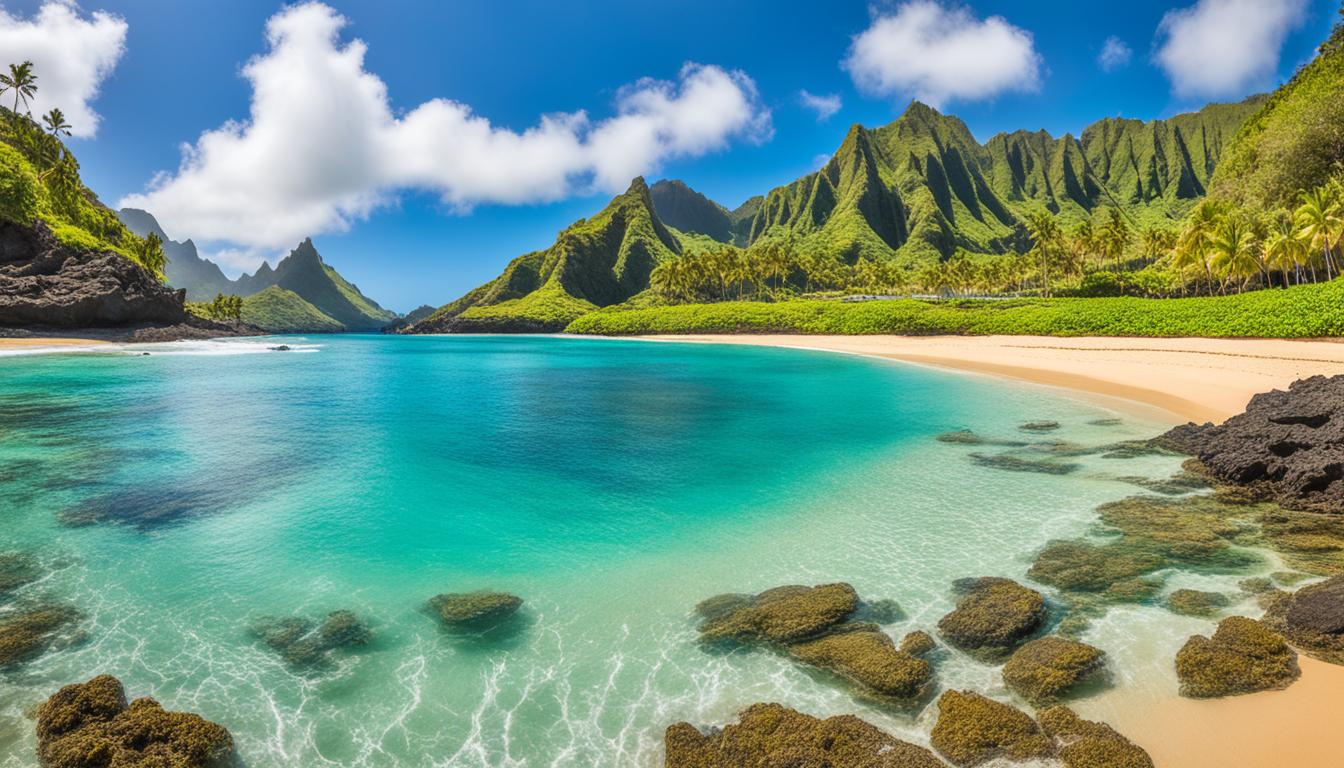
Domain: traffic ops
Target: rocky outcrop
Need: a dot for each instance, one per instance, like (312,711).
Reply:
(993,616)
(1312,619)
(1048,668)
(474,611)
(1288,445)
(773,736)
(972,729)
(90,725)
(781,615)
(1087,744)
(304,643)
(44,282)
(869,659)
(1243,656)
(28,632)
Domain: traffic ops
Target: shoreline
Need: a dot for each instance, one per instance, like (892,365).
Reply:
(1182,379)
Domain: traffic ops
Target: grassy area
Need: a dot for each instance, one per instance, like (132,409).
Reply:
(1306,311)
(283,311)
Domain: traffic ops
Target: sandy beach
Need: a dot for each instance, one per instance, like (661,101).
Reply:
(1188,380)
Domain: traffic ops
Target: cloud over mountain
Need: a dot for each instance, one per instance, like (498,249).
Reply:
(323,146)
(1225,48)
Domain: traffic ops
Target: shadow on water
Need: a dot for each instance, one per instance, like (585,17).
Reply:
(505,635)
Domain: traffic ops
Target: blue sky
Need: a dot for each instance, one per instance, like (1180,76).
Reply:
(179,74)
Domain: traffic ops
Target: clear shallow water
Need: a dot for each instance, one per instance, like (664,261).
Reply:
(612,484)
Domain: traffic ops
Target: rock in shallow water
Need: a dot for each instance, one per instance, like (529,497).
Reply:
(1193,602)
(1288,444)
(1242,656)
(474,611)
(1086,744)
(972,729)
(1048,668)
(1312,619)
(777,616)
(27,632)
(773,736)
(17,569)
(993,616)
(89,725)
(303,643)
(870,660)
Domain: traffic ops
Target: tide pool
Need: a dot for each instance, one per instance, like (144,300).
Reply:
(177,497)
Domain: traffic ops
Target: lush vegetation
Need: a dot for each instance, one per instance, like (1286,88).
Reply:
(39,179)
(1303,311)
(280,310)
(223,308)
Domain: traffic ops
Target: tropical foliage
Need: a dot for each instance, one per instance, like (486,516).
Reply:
(223,308)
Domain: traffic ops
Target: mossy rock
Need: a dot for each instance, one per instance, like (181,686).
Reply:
(1133,449)
(773,736)
(1039,426)
(1312,619)
(967,437)
(993,616)
(343,629)
(1048,668)
(871,661)
(1111,422)
(474,611)
(1307,541)
(1087,744)
(89,724)
(1009,462)
(782,615)
(17,569)
(1081,566)
(28,632)
(1257,585)
(1193,602)
(1195,530)
(1137,590)
(1243,656)
(1289,578)
(972,729)
(304,643)
(918,643)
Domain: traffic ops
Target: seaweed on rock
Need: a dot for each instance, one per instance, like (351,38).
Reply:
(1013,463)
(28,632)
(478,611)
(1048,668)
(1242,656)
(304,643)
(993,616)
(972,729)
(17,569)
(1193,602)
(870,660)
(1087,744)
(781,615)
(1312,619)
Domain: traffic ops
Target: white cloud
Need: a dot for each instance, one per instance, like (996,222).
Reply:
(941,53)
(825,106)
(71,56)
(1225,48)
(1115,54)
(322,147)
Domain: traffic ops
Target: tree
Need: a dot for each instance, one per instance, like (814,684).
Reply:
(1233,250)
(1319,217)
(55,122)
(1192,245)
(1047,243)
(151,254)
(21,81)
(1114,236)
(1284,250)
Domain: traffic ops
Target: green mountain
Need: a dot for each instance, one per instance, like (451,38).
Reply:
(688,211)
(1294,141)
(593,263)
(304,273)
(185,269)
(280,310)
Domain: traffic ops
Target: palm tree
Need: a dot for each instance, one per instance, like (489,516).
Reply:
(21,81)
(1233,250)
(1047,241)
(55,122)
(1114,237)
(1284,250)
(1192,246)
(1317,219)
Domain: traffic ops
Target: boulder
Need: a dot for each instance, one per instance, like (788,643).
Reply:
(28,632)
(870,660)
(1193,602)
(993,616)
(773,736)
(90,725)
(474,611)
(44,282)
(972,729)
(1087,744)
(1047,668)
(1289,445)
(1243,656)
(1312,619)
(918,643)
(778,616)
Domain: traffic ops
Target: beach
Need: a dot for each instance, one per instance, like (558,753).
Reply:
(1189,380)
(41,344)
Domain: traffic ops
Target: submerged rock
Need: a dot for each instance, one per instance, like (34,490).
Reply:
(918,643)
(1039,426)
(972,729)
(1086,744)
(1013,463)
(1082,566)
(967,437)
(90,725)
(17,569)
(1193,602)
(879,611)
(778,616)
(1286,444)
(773,736)
(1048,668)
(1243,656)
(993,616)
(1312,619)
(1111,422)
(304,643)
(1309,541)
(27,633)
(870,660)
(474,611)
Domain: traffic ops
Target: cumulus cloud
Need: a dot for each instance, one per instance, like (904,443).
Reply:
(1225,48)
(824,106)
(72,54)
(322,147)
(941,53)
(1115,54)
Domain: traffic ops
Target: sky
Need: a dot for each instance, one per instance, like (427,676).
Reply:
(424,144)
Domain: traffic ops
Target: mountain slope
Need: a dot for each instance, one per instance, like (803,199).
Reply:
(280,310)
(304,273)
(684,209)
(201,278)
(593,263)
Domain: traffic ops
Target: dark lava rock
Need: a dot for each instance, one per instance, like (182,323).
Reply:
(44,282)
(281,348)
(1086,744)
(870,660)
(89,725)
(773,736)
(972,729)
(1243,656)
(777,616)
(1288,444)
(1193,602)
(1050,667)
(27,633)
(993,616)
(303,643)
(474,611)
(1312,619)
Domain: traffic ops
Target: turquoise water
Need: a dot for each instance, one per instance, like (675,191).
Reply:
(612,484)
